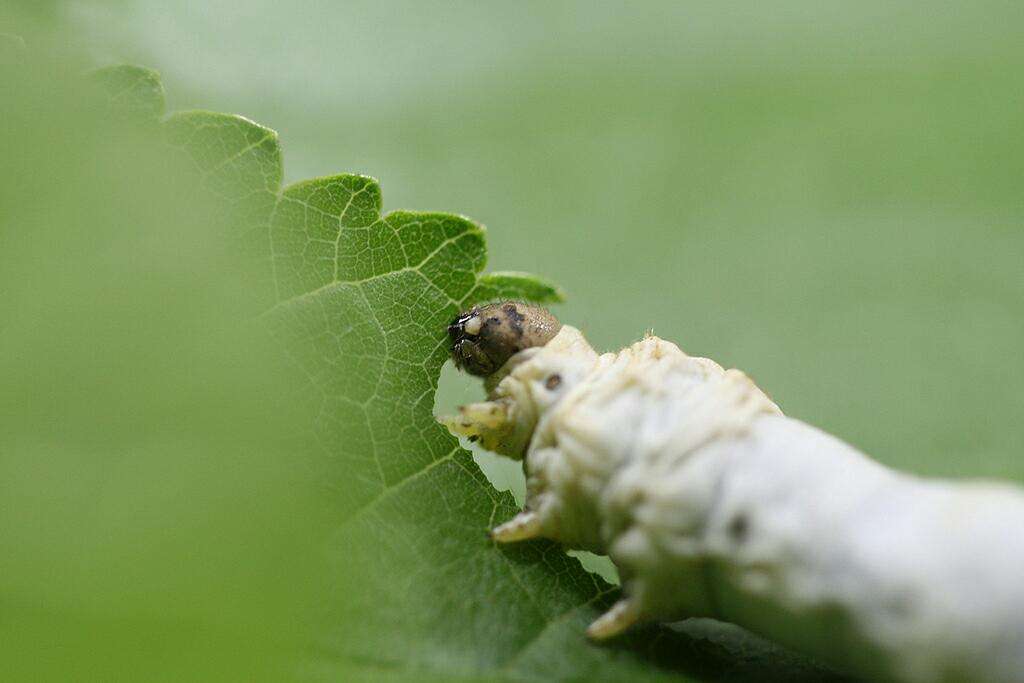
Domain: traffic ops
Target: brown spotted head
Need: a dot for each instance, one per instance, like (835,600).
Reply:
(485,337)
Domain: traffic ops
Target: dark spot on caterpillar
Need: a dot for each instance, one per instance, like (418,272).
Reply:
(552,382)
(903,605)
(513,312)
(738,528)
(515,319)
(474,438)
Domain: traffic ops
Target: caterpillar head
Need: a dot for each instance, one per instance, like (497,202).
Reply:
(484,338)
(528,371)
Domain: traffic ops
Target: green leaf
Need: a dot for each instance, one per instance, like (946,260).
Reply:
(11,45)
(145,400)
(133,91)
(154,525)
(416,589)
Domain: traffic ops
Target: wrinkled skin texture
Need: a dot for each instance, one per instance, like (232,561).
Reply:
(592,428)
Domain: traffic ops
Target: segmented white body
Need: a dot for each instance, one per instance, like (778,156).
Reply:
(712,503)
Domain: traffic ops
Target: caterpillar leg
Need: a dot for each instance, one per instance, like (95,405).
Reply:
(522,527)
(620,617)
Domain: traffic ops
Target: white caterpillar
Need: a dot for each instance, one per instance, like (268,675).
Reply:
(712,503)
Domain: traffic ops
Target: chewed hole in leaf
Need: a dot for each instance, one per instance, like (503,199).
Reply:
(456,388)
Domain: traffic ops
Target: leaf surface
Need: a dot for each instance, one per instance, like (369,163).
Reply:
(360,300)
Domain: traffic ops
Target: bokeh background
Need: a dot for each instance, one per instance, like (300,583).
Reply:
(827,195)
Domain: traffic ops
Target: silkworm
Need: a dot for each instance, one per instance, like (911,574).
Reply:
(712,503)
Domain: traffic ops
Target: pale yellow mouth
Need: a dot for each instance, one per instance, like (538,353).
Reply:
(489,422)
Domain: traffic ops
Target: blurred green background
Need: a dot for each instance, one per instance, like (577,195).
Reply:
(154,516)
(825,194)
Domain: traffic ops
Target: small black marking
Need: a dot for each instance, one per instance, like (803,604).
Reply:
(552,382)
(739,527)
(513,313)
(515,319)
